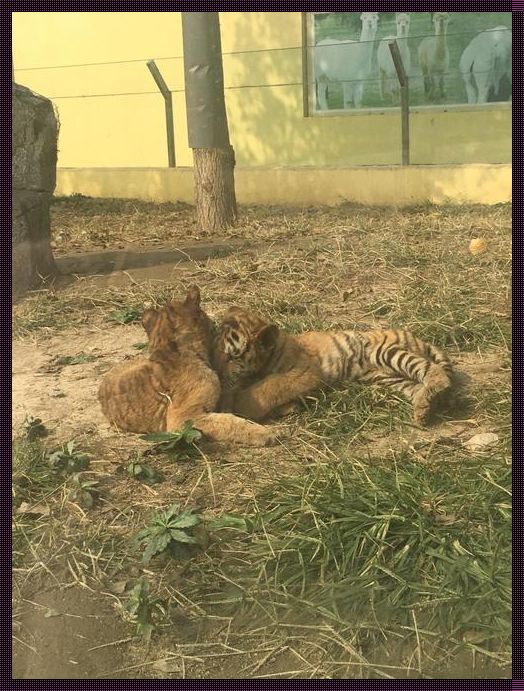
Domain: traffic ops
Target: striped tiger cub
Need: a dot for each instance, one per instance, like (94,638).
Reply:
(176,383)
(264,369)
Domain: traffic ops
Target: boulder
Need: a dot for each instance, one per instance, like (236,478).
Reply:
(35,132)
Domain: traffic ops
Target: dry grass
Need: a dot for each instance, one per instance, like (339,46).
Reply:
(271,604)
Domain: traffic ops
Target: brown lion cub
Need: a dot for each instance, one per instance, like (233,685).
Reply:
(264,369)
(175,383)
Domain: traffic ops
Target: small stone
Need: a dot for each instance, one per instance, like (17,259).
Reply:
(481,441)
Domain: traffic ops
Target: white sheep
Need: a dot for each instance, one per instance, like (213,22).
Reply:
(433,57)
(485,62)
(347,62)
(387,74)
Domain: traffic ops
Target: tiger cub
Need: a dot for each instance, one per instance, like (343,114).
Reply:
(176,382)
(264,369)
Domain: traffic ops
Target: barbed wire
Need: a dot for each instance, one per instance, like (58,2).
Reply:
(245,52)
(310,84)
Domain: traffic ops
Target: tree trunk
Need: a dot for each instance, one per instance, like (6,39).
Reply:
(208,134)
(215,188)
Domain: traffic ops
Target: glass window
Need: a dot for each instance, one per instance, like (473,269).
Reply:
(451,58)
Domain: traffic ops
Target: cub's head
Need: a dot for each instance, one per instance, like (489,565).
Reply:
(180,323)
(245,345)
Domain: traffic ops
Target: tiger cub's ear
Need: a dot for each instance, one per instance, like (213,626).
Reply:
(267,335)
(193,296)
(149,319)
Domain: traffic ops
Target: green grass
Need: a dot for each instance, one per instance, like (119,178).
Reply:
(370,549)
(33,484)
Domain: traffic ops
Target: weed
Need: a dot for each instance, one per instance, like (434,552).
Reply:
(34,428)
(85,492)
(126,315)
(167,531)
(68,459)
(143,472)
(74,359)
(142,609)
(179,444)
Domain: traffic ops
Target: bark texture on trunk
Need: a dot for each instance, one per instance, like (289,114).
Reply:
(215,188)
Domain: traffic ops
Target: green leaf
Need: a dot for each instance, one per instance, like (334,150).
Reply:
(228,521)
(126,315)
(87,499)
(185,520)
(156,545)
(144,472)
(74,359)
(145,629)
(143,534)
(172,510)
(157,437)
(140,346)
(189,433)
(180,536)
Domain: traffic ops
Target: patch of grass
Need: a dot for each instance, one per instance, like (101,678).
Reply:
(360,546)
(126,315)
(355,411)
(32,484)
(373,548)
(79,359)
(51,310)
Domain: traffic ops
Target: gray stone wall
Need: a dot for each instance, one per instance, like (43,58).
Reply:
(35,132)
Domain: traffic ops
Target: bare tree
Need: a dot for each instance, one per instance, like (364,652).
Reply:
(213,155)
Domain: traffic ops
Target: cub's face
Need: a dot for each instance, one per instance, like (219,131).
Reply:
(245,345)
(179,322)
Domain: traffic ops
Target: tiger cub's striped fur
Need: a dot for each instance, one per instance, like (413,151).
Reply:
(176,382)
(264,369)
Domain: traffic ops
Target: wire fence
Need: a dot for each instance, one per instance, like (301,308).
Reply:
(224,53)
(330,94)
(453,79)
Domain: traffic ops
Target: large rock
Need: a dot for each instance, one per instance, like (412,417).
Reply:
(35,131)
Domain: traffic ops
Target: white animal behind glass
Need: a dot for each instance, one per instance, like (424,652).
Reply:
(486,63)
(433,57)
(347,62)
(387,74)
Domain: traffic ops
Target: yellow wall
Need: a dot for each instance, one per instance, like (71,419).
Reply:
(474,183)
(267,125)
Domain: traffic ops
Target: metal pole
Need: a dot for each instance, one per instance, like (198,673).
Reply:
(168,101)
(404,99)
(305,71)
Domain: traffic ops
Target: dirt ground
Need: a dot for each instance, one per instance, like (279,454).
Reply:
(67,605)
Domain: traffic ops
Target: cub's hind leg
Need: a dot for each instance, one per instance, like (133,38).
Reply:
(434,393)
(425,383)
